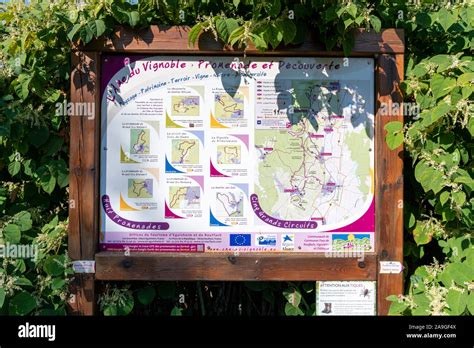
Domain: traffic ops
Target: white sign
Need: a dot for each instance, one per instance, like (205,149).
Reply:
(390,267)
(345,298)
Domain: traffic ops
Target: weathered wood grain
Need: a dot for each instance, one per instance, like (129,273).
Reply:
(389,179)
(227,266)
(84,171)
(174,40)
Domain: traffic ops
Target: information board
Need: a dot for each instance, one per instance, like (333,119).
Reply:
(205,154)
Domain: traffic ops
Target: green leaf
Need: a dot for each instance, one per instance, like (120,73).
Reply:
(457,301)
(22,304)
(293,296)
(421,234)
(396,307)
(237,35)
(146,295)
(38,136)
(352,10)
(2,297)
(466,79)
(100,25)
(446,19)
(459,197)
(288,28)
(470,302)
(125,306)
(110,310)
(225,27)
(272,34)
(423,19)
(443,197)
(58,283)
(51,312)
(54,265)
(259,43)
(46,179)
(440,85)
(376,23)
(194,32)
(460,273)
(23,220)
(166,290)
(86,34)
(470,126)
(133,18)
(291,310)
(272,7)
(22,281)
(176,312)
(14,168)
(12,234)
(348,22)
(394,137)
(73,31)
(436,113)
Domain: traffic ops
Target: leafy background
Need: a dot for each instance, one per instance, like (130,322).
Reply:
(439,214)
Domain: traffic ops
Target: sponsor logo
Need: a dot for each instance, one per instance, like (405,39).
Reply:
(288,242)
(266,240)
(240,240)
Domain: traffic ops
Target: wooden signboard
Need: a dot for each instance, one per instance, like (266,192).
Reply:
(209,163)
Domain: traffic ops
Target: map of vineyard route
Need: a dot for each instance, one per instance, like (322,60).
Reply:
(228,154)
(185,151)
(318,168)
(185,105)
(228,107)
(184,197)
(140,188)
(140,141)
(231,206)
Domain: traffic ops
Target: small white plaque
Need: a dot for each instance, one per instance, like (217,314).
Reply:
(83,266)
(387,267)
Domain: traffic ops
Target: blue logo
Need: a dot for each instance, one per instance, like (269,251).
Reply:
(287,238)
(268,239)
(240,240)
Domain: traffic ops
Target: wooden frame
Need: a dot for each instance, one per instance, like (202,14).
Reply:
(386,47)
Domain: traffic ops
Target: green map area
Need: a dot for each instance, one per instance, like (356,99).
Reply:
(185,151)
(229,107)
(319,166)
(228,154)
(188,197)
(140,188)
(139,141)
(230,204)
(184,105)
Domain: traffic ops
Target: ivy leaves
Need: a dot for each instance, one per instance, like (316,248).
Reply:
(394,137)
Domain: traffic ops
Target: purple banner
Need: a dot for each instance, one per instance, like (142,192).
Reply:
(136,225)
(277,222)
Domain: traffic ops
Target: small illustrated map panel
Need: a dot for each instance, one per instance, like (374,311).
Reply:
(212,154)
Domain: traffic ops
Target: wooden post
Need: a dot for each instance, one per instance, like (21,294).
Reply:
(84,177)
(389,179)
